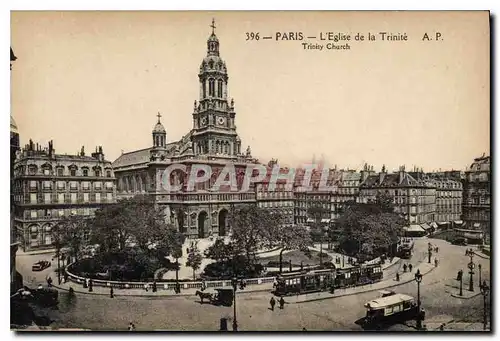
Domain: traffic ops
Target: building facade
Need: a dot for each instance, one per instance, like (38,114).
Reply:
(278,198)
(213,142)
(415,199)
(448,199)
(50,186)
(476,206)
(16,279)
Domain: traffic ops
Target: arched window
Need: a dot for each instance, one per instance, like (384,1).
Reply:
(219,88)
(211,87)
(204,87)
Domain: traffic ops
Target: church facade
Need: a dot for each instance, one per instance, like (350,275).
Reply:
(213,141)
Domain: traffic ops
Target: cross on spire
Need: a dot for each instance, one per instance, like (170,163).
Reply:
(213,26)
(159,115)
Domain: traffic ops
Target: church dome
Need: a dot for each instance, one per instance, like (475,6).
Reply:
(13,125)
(213,37)
(159,128)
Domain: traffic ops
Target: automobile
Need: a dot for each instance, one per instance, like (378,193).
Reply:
(385,293)
(40,265)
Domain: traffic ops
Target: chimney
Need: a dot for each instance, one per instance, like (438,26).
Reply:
(401,173)
(381,177)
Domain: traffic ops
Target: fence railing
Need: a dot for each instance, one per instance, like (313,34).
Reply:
(164,285)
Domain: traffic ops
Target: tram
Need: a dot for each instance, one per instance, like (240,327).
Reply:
(358,275)
(307,281)
(405,248)
(304,282)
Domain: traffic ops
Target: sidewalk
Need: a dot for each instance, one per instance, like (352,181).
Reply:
(21,253)
(387,283)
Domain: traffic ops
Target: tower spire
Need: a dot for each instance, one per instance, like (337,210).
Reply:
(159,116)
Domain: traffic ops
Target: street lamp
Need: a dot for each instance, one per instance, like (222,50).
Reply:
(471,266)
(418,279)
(235,283)
(459,277)
(479,268)
(484,291)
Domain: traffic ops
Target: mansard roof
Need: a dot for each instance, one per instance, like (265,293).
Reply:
(133,158)
(393,180)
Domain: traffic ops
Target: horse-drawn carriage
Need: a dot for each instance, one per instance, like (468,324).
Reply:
(221,296)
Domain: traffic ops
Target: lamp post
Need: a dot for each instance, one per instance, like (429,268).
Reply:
(418,279)
(471,266)
(479,268)
(235,287)
(460,275)
(429,252)
(484,291)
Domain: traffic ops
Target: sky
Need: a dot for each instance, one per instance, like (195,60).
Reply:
(100,78)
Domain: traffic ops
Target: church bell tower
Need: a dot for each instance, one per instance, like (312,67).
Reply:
(214,130)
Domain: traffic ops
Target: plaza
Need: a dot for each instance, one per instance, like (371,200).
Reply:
(167,311)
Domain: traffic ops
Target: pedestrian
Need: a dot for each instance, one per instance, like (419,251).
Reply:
(437,250)
(272,302)
(85,283)
(410,267)
(203,285)
(436,262)
(154,286)
(282,303)
(49,281)
(131,326)
(91,285)
(111,293)
(71,291)
(397,276)
(304,329)
(405,267)
(146,287)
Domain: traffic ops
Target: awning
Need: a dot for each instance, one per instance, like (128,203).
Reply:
(414,228)
(310,220)
(458,222)
(443,222)
(477,225)
(325,220)
(433,224)
(425,226)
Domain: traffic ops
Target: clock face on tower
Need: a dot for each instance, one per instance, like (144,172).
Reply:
(221,121)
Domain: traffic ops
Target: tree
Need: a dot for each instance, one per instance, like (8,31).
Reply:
(72,232)
(194,260)
(367,230)
(220,251)
(385,201)
(294,237)
(250,229)
(318,212)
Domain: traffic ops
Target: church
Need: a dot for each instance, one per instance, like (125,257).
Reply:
(212,141)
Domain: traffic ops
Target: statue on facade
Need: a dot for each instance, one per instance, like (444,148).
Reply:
(249,152)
